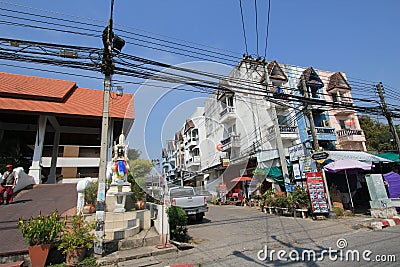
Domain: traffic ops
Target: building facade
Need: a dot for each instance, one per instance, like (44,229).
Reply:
(52,127)
(257,115)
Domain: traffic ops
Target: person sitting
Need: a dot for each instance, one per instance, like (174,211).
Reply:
(7,185)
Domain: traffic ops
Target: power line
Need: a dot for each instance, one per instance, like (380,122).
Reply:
(256,11)
(244,30)
(266,38)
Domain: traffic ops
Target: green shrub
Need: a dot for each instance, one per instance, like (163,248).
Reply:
(77,234)
(38,230)
(338,211)
(282,202)
(300,197)
(91,193)
(177,220)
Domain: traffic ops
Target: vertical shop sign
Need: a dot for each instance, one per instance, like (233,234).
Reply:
(316,189)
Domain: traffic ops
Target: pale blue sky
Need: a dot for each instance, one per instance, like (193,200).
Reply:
(358,37)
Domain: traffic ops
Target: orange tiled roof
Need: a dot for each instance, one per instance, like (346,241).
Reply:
(50,96)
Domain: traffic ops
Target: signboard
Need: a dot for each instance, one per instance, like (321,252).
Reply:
(222,192)
(225,162)
(320,156)
(296,171)
(289,187)
(295,152)
(305,164)
(316,190)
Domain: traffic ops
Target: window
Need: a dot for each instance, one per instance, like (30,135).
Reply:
(334,98)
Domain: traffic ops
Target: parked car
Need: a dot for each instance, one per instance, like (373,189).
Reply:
(186,198)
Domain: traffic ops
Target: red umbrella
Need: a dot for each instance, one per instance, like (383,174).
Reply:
(241,179)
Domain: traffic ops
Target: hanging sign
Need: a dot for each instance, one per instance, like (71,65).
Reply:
(317,156)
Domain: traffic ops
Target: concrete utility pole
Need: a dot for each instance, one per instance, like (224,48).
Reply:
(107,69)
(279,142)
(309,115)
(388,115)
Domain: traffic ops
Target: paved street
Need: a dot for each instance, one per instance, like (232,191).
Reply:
(232,236)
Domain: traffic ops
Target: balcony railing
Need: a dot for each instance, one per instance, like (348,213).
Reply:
(232,141)
(227,112)
(323,130)
(288,129)
(348,132)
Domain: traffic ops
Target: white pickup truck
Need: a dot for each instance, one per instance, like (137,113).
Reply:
(186,198)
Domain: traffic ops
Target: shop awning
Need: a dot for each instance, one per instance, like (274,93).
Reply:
(355,155)
(390,156)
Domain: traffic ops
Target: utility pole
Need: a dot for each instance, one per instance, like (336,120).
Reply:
(107,69)
(309,115)
(278,137)
(388,115)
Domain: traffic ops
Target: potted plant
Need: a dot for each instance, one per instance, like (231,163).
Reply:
(281,204)
(90,193)
(40,232)
(77,236)
(300,197)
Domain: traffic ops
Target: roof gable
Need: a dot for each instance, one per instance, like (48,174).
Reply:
(312,79)
(34,88)
(275,71)
(76,101)
(337,80)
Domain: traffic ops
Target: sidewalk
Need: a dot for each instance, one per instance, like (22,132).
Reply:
(41,198)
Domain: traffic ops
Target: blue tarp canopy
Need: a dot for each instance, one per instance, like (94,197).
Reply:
(393,179)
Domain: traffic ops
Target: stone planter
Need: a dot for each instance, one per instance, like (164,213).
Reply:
(72,258)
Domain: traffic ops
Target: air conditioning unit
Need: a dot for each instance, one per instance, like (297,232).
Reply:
(326,123)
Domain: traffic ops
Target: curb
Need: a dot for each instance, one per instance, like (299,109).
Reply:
(386,223)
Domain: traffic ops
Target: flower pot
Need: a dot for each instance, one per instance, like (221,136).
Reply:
(72,258)
(140,204)
(38,254)
(89,209)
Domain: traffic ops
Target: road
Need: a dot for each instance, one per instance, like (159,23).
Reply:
(234,236)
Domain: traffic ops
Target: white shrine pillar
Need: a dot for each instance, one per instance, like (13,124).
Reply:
(35,169)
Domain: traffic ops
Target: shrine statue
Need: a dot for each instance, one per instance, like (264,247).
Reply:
(120,164)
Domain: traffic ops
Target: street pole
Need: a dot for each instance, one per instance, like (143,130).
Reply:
(309,115)
(101,193)
(387,114)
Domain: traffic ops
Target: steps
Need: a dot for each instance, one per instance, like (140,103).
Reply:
(147,237)
(122,225)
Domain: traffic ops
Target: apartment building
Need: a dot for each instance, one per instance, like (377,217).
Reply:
(252,121)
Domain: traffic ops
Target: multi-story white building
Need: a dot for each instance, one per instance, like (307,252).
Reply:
(253,119)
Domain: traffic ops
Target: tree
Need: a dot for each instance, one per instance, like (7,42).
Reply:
(139,168)
(133,154)
(377,134)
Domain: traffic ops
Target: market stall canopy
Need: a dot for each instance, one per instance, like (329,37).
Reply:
(345,165)
(355,155)
(393,180)
(390,156)
(241,179)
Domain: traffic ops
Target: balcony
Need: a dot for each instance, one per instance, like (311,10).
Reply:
(343,111)
(288,132)
(227,115)
(233,141)
(192,142)
(350,135)
(193,163)
(324,133)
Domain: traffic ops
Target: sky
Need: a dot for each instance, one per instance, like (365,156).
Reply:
(358,37)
